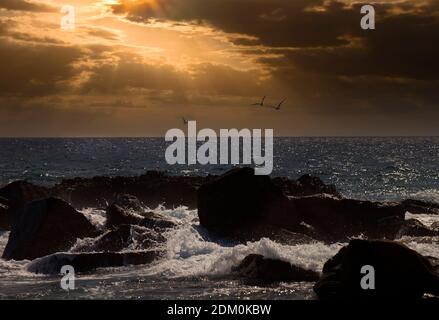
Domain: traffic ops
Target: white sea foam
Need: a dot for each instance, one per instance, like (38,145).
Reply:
(191,252)
(11,267)
(427,219)
(427,246)
(97,217)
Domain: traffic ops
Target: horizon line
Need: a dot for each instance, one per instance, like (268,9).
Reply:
(163,137)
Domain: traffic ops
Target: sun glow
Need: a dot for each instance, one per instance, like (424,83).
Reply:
(111,2)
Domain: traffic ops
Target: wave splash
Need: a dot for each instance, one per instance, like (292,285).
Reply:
(191,252)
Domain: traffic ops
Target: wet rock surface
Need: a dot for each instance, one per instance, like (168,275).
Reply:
(239,200)
(43,227)
(415,228)
(123,237)
(14,196)
(399,272)
(238,206)
(306,185)
(420,207)
(4,216)
(153,188)
(337,219)
(84,262)
(258,269)
(129,210)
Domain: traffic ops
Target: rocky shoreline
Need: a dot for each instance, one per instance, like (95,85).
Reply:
(45,224)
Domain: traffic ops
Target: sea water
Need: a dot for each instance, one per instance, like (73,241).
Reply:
(197,265)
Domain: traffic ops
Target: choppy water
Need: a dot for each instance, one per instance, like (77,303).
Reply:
(197,266)
(372,168)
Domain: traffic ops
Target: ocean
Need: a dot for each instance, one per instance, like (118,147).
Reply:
(196,266)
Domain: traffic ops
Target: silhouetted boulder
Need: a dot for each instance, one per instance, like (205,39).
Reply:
(43,227)
(125,210)
(84,262)
(240,199)
(14,196)
(415,228)
(420,207)
(399,272)
(156,221)
(21,192)
(4,216)
(129,202)
(337,219)
(257,268)
(128,210)
(123,237)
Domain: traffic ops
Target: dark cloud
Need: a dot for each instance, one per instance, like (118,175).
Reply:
(274,23)
(40,68)
(323,57)
(32,70)
(405,44)
(338,78)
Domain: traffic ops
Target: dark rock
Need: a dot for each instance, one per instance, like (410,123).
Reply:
(117,216)
(434,262)
(279,235)
(43,227)
(420,207)
(255,267)
(399,272)
(156,221)
(152,189)
(4,216)
(14,196)
(336,219)
(84,262)
(129,202)
(435,226)
(123,237)
(21,192)
(415,228)
(306,185)
(128,210)
(155,188)
(125,210)
(240,199)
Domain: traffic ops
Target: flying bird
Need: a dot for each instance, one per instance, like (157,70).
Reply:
(280,104)
(260,103)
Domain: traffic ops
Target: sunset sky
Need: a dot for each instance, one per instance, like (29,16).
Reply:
(135,67)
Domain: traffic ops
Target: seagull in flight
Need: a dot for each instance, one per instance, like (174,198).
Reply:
(260,103)
(280,104)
